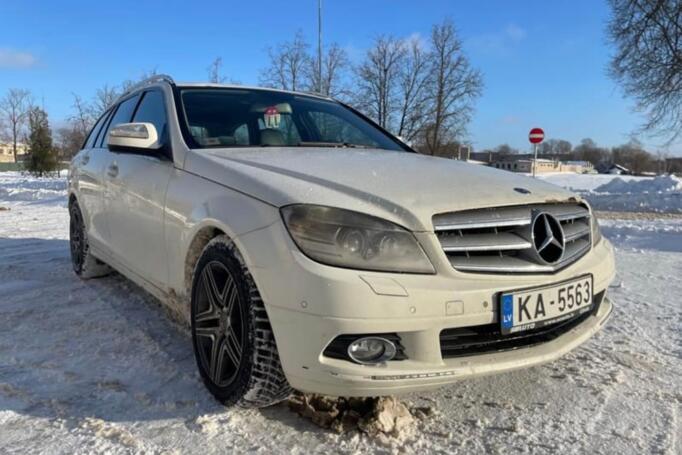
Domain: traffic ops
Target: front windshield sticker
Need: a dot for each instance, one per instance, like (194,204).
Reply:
(272,117)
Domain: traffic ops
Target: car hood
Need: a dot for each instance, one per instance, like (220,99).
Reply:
(406,188)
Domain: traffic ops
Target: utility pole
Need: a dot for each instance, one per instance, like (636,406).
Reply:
(319,45)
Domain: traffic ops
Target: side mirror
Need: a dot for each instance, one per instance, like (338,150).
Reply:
(134,137)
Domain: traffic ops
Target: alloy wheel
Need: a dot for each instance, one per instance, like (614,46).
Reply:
(218,324)
(76,238)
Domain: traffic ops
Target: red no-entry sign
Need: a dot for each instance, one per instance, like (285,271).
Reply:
(536,135)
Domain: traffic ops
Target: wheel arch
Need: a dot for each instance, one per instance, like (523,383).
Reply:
(195,247)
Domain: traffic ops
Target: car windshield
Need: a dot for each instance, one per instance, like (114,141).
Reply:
(231,117)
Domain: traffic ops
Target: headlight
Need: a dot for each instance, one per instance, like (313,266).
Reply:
(353,240)
(596,232)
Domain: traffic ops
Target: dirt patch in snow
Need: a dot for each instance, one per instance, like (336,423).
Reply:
(383,418)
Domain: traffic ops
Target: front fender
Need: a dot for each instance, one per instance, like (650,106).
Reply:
(197,207)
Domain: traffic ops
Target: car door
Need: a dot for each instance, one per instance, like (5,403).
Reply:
(89,166)
(135,194)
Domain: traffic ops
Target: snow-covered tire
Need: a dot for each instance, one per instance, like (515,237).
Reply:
(84,263)
(228,321)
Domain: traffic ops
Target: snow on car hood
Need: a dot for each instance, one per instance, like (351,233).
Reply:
(405,188)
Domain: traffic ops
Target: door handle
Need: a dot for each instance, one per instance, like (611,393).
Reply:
(112,170)
(85,160)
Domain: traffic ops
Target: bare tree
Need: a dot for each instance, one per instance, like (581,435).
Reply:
(215,71)
(648,60)
(129,83)
(506,150)
(588,150)
(288,63)
(14,108)
(69,140)
(378,77)
(663,160)
(555,147)
(83,118)
(334,65)
(453,88)
(105,97)
(633,156)
(412,85)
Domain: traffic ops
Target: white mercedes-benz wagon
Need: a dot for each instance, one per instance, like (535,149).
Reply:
(310,249)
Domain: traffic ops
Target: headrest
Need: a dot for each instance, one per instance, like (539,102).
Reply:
(270,136)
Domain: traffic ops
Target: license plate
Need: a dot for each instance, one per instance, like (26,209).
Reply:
(533,308)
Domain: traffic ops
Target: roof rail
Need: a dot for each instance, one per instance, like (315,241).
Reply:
(148,81)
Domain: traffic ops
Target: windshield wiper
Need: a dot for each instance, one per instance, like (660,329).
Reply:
(333,144)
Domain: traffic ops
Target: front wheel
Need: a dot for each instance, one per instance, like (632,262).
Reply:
(84,263)
(233,341)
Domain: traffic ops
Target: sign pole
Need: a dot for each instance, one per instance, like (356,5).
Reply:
(535,136)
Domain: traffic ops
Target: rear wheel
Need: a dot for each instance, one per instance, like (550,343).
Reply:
(84,263)
(233,341)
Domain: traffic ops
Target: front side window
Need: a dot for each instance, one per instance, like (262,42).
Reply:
(123,114)
(153,110)
(90,142)
(222,117)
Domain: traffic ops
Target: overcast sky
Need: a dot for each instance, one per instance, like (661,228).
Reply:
(544,63)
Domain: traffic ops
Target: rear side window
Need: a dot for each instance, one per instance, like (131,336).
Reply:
(153,110)
(95,131)
(123,114)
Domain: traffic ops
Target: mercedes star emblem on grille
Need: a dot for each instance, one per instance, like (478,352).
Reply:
(548,237)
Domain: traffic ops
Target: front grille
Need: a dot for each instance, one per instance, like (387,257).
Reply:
(498,240)
(488,338)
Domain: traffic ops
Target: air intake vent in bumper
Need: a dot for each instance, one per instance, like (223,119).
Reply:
(485,339)
(499,240)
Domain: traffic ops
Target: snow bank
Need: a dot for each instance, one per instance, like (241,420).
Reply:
(662,183)
(585,182)
(20,187)
(662,194)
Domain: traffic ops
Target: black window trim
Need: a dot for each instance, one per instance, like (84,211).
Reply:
(92,130)
(114,108)
(166,149)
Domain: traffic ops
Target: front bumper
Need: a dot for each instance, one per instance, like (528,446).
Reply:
(310,304)
(342,378)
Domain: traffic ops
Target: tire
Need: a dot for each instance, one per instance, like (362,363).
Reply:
(233,342)
(84,263)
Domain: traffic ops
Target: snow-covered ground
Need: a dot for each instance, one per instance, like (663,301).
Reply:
(96,366)
(661,194)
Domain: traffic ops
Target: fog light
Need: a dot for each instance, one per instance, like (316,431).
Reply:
(371,350)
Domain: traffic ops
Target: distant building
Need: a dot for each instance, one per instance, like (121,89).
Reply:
(613,169)
(7,155)
(543,165)
(524,163)
(482,163)
(511,163)
(579,167)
